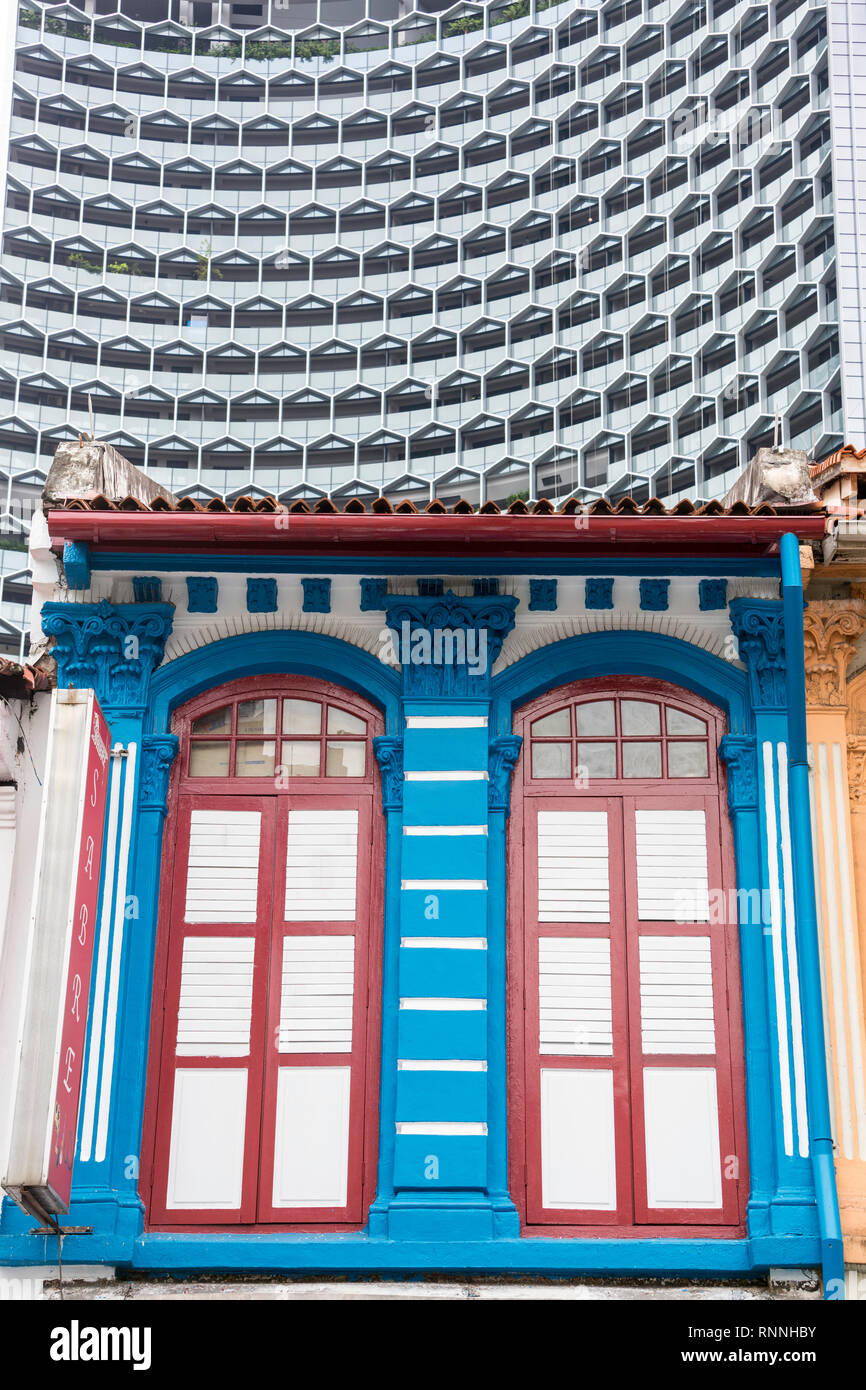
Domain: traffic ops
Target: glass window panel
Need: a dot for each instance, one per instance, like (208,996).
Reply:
(301,717)
(341,722)
(596,718)
(596,760)
(209,759)
(552,725)
(216,721)
(301,759)
(687,760)
(551,759)
(639,717)
(679,722)
(345,760)
(257,717)
(641,760)
(254,758)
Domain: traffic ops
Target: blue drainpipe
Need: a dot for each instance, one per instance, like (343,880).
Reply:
(818,1101)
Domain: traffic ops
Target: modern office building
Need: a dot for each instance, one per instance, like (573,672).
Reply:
(343,247)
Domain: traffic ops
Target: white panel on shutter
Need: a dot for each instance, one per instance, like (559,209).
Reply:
(216,996)
(321,866)
(676,994)
(578,1154)
(223,874)
(318,989)
(681,1115)
(672,879)
(573,881)
(574,996)
(311,1153)
(206,1162)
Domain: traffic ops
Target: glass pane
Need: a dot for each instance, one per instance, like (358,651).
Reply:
(254,759)
(595,718)
(301,759)
(596,760)
(257,717)
(551,759)
(639,717)
(345,760)
(687,760)
(209,759)
(217,721)
(552,724)
(679,722)
(641,760)
(341,722)
(301,717)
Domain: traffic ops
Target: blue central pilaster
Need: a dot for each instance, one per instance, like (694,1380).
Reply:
(783,1194)
(448,1178)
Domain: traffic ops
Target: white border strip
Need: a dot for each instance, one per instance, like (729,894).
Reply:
(793,966)
(776,939)
(443,1005)
(440,1127)
(446,721)
(444,943)
(116,953)
(95,1027)
(446,776)
(443,885)
(410,1064)
(444,829)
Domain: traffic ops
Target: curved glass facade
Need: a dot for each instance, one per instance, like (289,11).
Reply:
(350,247)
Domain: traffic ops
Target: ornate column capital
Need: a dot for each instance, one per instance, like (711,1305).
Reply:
(759,627)
(447,644)
(158,752)
(830,631)
(502,755)
(389,755)
(112,648)
(857,771)
(739,754)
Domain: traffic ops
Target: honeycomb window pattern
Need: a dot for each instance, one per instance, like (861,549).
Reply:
(344,247)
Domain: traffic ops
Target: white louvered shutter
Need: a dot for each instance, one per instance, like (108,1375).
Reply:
(572,1171)
(220,916)
(680,1073)
(314,1085)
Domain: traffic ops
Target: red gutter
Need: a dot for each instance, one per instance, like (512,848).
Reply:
(365,534)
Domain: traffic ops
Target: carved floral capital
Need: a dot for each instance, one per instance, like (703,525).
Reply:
(830,630)
(857,770)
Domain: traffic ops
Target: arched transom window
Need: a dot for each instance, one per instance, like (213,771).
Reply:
(619,737)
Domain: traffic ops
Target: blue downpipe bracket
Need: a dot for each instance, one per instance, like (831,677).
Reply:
(808,956)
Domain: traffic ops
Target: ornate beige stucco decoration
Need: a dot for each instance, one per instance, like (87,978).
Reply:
(830,629)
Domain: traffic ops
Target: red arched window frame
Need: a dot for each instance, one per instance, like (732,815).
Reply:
(631,1217)
(273,796)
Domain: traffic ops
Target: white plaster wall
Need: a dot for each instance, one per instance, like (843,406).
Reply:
(19,827)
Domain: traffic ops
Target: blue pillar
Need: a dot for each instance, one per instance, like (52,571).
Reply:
(760,629)
(114,649)
(808,950)
(448,1174)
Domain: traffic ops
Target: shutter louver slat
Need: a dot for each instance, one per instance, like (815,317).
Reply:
(321,866)
(573,883)
(223,866)
(574,998)
(672,873)
(676,993)
(216,997)
(317,996)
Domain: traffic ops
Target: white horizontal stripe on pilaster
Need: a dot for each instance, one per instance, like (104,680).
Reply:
(440,1004)
(411,1064)
(440,1127)
(444,943)
(444,829)
(443,885)
(446,776)
(446,721)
